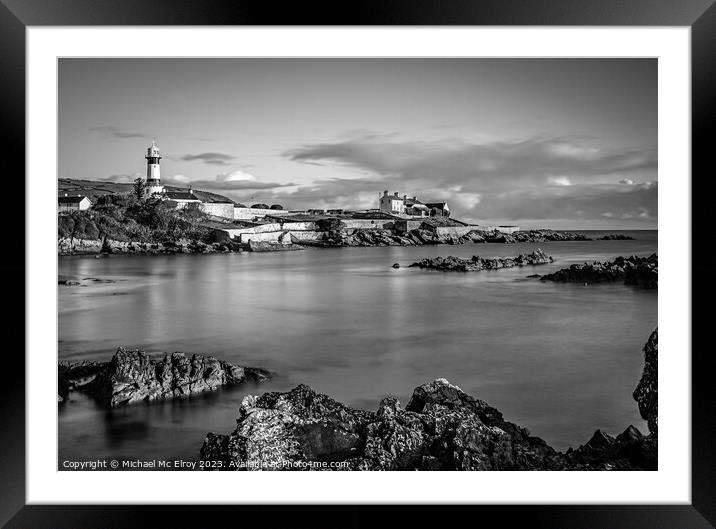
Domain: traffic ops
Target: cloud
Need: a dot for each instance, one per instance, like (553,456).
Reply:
(120,178)
(532,178)
(492,164)
(212,158)
(559,180)
(110,131)
(234,181)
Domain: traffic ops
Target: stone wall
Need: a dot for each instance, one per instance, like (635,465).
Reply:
(454,231)
(501,229)
(218,209)
(250,213)
(307,235)
(299,226)
(367,224)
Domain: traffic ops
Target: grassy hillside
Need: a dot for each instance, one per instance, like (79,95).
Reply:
(94,189)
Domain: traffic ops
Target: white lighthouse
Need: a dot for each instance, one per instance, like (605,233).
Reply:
(153,183)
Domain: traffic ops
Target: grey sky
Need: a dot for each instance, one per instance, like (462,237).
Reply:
(564,143)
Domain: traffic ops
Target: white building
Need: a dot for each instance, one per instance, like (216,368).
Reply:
(181,198)
(154,182)
(73,203)
(410,206)
(392,204)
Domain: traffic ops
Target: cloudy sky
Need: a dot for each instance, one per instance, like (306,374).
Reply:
(562,143)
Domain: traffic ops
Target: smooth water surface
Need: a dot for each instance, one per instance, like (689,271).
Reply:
(559,359)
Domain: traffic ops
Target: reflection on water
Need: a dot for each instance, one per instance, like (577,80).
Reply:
(561,360)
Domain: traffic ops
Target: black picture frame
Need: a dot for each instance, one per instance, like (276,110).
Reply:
(700,15)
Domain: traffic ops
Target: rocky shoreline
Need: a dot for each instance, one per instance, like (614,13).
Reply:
(477,263)
(430,236)
(441,428)
(339,238)
(642,272)
(75,246)
(134,376)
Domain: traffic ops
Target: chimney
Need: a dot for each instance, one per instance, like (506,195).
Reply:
(415,198)
(385,193)
(405,197)
(395,194)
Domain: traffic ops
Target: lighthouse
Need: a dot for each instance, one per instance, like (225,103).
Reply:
(154,183)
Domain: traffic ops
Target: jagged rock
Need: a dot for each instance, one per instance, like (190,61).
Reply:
(647,391)
(477,263)
(71,376)
(441,428)
(639,271)
(547,235)
(133,376)
(615,237)
(628,450)
(104,246)
(396,265)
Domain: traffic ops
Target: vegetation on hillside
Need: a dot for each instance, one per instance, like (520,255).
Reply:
(93,189)
(124,218)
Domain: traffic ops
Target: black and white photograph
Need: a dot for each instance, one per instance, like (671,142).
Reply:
(357,264)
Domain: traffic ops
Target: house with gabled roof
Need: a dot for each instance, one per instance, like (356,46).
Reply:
(73,203)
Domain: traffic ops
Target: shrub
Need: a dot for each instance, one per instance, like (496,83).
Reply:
(65,226)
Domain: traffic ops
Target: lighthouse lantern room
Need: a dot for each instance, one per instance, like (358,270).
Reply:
(154,183)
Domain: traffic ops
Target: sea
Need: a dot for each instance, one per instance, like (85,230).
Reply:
(559,359)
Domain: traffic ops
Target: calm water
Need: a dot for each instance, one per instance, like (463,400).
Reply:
(560,359)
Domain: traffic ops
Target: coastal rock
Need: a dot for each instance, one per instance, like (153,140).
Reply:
(283,430)
(76,375)
(264,246)
(477,263)
(548,235)
(104,246)
(639,271)
(647,391)
(615,237)
(441,428)
(628,450)
(133,376)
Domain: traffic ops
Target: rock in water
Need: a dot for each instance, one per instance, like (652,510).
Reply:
(441,428)
(616,237)
(133,376)
(647,391)
(639,271)
(477,263)
(396,265)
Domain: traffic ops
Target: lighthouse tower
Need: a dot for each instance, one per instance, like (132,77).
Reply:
(154,183)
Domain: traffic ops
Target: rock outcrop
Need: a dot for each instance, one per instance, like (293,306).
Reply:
(441,428)
(428,235)
(329,235)
(134,376)
(638,271)
(77,246)
(477,263)
(647,392)
(615,237)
